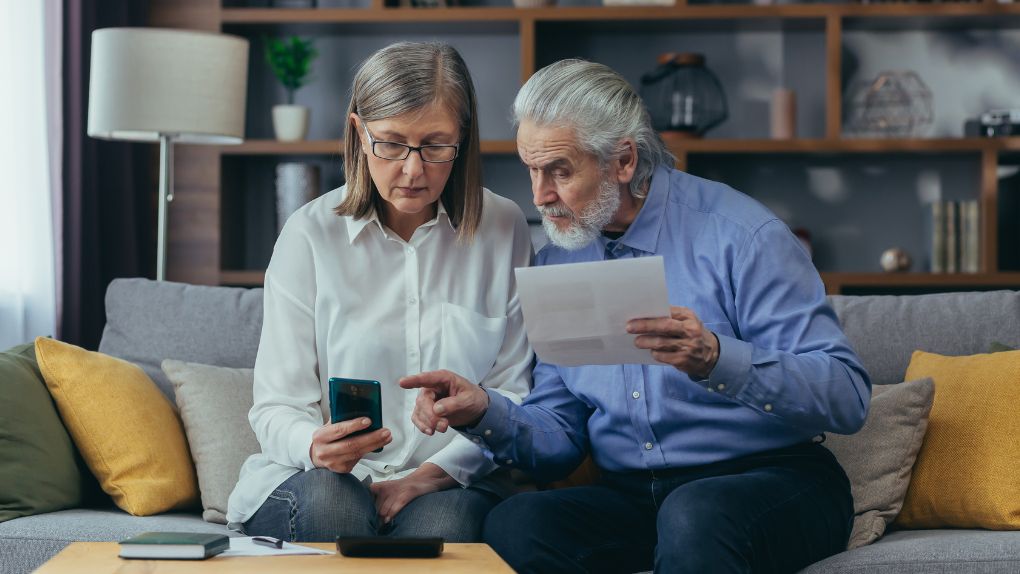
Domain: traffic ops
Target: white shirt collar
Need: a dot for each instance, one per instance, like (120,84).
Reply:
(356,226)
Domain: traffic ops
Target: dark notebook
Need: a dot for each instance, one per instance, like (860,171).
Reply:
(174,545)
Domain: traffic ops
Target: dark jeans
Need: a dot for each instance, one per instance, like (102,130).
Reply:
(776,511)
(318,505)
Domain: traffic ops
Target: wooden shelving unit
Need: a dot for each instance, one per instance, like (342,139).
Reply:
(198,170)
(681,11)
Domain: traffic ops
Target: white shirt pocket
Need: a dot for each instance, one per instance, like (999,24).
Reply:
(470,342)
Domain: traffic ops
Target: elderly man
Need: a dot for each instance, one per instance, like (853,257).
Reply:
(709,462)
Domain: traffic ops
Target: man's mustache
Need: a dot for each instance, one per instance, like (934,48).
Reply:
(554,211)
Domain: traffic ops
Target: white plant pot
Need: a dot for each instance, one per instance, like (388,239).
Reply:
(290,122)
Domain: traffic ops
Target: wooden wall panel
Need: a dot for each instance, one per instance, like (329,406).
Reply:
(193,226)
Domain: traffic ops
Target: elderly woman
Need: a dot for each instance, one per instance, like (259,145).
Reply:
(407,268)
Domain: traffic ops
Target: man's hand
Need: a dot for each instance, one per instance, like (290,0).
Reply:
(680,340)
(333,450)
(392,496)
(446,399)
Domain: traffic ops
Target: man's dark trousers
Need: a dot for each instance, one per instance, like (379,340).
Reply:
(776,511)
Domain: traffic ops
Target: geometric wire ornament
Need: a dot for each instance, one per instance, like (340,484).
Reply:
(894,104)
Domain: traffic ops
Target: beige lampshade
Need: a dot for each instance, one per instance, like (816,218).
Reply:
(150,81)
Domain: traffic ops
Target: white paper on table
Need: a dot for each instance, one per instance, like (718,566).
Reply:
(577,313)
(243,546)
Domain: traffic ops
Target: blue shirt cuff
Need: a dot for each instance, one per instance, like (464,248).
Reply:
(732,369)
(494,425)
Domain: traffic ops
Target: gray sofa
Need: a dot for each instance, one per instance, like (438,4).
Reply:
(149,321)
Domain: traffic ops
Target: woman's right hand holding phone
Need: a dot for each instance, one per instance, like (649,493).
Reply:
(334,448)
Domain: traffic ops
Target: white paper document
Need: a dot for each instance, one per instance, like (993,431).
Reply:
(243,546)
(577,313)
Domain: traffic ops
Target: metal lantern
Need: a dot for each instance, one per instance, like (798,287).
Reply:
(896,103)
(683,96)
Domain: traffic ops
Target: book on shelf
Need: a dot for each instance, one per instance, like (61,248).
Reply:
(953,229)
(174,545)
(952,237)
(970,252)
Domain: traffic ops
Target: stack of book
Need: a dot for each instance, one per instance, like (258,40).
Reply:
(955,234)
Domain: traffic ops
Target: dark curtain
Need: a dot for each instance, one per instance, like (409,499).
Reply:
(109,187)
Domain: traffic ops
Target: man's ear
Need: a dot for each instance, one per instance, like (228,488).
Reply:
(626,161)
(357,129)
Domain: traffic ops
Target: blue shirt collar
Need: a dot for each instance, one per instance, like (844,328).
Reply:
(643,233)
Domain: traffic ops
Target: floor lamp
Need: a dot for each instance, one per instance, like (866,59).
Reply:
(170,86)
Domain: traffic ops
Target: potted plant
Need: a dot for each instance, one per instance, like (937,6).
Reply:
(291,62)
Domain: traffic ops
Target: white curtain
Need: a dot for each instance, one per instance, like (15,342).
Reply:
(30,175)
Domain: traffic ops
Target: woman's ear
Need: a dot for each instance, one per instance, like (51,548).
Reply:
(626,161)
(357,129)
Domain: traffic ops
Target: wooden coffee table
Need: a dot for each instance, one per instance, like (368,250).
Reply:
(102,557)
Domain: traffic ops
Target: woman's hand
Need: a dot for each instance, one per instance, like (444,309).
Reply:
(392,496)
(332,447)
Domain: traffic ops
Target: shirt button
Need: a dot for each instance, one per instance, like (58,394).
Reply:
(720,386)
(648,446)
(477,440)
(768,407)
(411,300)
(710,389)
(509,461)
(636,395)
(410,250)
(488,432)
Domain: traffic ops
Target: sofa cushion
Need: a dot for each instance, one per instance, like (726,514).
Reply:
(25,543)
(886,329)
(878,458)
(127,432)
(214,404)
(148,321)
(929,552)
(39,471)
(967,473)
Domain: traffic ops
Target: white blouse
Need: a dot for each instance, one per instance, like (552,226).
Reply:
(350,298)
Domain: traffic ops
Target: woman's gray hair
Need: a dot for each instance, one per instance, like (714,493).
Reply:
(408,77)
(602,109)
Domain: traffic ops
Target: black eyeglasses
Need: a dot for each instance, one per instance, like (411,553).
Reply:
(431,153)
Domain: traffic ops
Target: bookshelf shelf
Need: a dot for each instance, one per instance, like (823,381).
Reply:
(692,146)
(332,147)
(242,278)
(910,15)
(845,145)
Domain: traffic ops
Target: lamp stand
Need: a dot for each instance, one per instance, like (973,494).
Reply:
(166,195)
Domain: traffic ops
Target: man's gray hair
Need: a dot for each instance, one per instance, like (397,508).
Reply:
(602,109)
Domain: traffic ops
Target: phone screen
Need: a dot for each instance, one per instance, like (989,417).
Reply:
(355,398)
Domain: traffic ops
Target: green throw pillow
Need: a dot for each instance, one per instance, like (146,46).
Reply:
(997,347)
(39,473)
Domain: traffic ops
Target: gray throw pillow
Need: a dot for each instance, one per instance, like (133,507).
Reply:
(214,404)
(879,458)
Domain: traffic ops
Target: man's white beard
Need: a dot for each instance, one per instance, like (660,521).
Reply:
(586,227)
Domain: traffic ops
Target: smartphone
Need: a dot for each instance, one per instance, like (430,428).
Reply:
(389,547)
(355,398)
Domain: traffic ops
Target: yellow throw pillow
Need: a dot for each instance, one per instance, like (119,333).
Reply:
(967,473)
(126,429)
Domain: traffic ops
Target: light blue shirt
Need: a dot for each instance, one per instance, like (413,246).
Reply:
(785,373)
